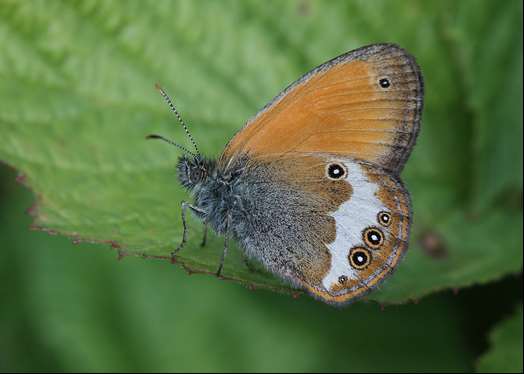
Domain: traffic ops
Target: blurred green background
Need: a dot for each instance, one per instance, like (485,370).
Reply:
(76,99)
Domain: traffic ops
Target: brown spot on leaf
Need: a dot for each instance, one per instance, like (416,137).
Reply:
(433,244)
(32,210)
(21,178)
(304,8)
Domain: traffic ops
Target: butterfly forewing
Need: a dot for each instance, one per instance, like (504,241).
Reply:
(365,104)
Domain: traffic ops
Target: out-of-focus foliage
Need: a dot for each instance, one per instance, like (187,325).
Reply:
(77,99)
(505,355)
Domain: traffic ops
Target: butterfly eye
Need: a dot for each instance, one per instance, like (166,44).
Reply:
(384,218)
(336,171)
(373,237)
(195,175)
(359,258)
(384,83)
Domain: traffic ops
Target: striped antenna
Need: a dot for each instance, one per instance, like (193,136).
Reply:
(155,136)
(172,106)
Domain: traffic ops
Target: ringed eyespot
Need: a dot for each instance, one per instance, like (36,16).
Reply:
(359,258)
(342,279)
(335,171)
(384,83)
(373,237)
(384,218)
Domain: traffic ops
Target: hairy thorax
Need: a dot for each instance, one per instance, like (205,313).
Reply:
(222,197)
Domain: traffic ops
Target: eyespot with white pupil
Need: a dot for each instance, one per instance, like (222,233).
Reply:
(359,258)
(384,218)
(342,279)
(336,171)
(384,83)
(373,237)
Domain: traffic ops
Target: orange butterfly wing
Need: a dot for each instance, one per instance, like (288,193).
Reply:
(365,104)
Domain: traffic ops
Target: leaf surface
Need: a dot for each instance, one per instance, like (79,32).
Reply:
(78,99)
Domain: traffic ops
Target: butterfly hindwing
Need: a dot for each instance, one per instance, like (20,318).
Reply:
(365,104)
(332,225)
(372,232)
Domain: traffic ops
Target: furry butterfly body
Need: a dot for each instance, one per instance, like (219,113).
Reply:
(310,186)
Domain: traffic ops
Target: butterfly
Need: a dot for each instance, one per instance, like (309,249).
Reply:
(310,186)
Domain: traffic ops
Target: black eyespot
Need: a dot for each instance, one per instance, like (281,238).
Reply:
(359,258)
(384,83)
(384,218)
(342,279)
(336,171)
(373,237)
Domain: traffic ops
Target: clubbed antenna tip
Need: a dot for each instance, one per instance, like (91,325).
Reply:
(155,136)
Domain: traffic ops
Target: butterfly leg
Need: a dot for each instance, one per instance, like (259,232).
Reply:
(224,252)
(204,239)
(223,257)
(184,205)
(249,265)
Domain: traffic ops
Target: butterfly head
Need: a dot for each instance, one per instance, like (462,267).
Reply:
(192,168)
(193,171)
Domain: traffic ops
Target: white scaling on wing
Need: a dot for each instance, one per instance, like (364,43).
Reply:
(351,218)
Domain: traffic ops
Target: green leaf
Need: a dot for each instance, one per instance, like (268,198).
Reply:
(492,71)
(505,353)
(71,308)
(77,101)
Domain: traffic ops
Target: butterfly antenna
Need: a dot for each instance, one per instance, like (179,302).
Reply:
(155,136)
(172,106)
